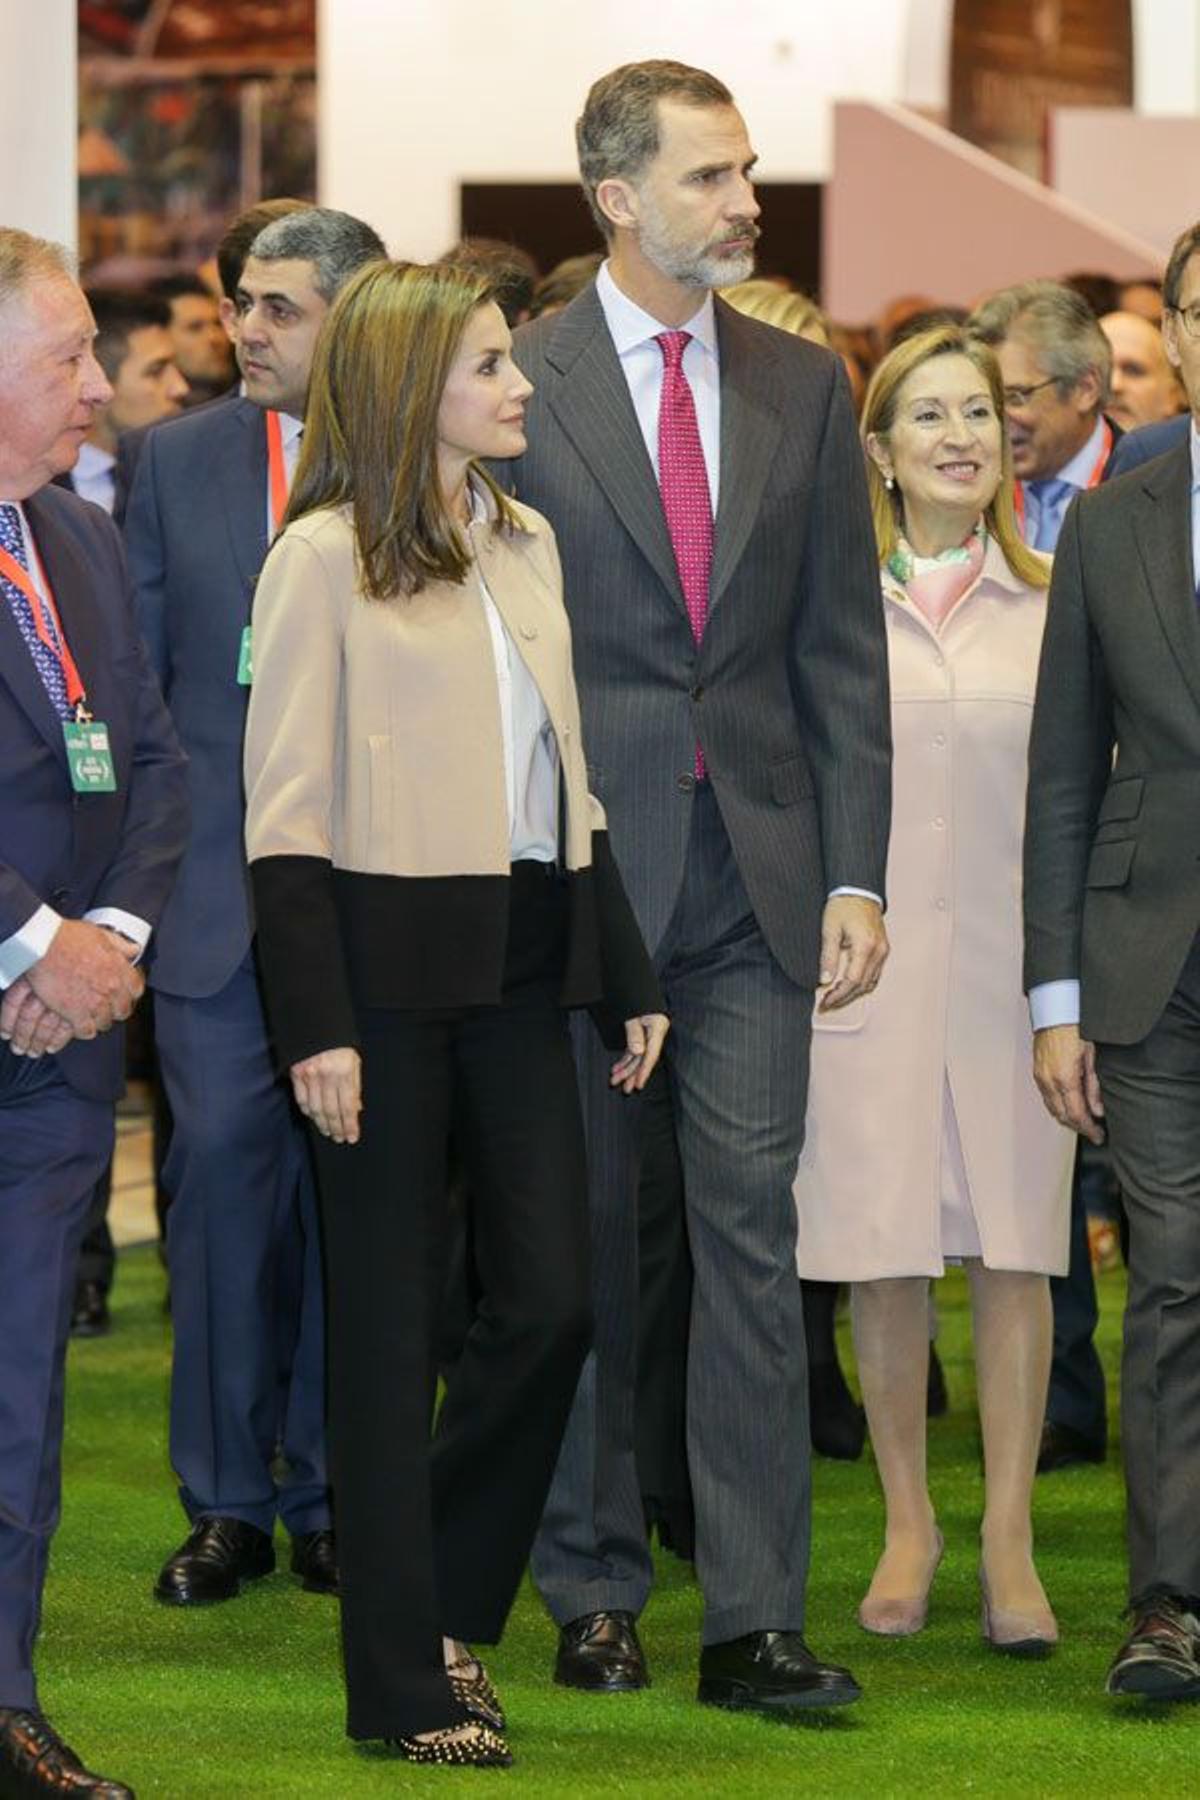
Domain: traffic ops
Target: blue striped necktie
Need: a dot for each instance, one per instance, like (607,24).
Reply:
(48,666)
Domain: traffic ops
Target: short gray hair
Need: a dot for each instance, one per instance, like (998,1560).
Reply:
(25,259)
(335,243)
(1058,325)
(617,132)
(1182,251)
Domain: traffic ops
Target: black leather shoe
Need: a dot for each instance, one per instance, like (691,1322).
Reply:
(89,1311)
(1160,1659)
(601,1652)
(771,1672)
(34,1761)
(314,1559)
(1062,1448)
(219,1555)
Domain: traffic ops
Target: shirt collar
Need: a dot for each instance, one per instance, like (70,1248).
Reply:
(1194,439)
(630,325)
(1079,470)
(92,461)
(289,429)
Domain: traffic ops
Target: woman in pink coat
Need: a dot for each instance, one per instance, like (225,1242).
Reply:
(926,1139)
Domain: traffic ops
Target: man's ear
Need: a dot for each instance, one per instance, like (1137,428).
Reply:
(1088,391)
(617,201)
(228,314)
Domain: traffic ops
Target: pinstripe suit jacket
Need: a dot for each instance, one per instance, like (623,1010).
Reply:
(788,689)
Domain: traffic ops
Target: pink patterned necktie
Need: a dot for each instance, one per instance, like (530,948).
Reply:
(683,483)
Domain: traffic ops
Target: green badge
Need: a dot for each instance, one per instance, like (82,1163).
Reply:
(245,668)
(89,757)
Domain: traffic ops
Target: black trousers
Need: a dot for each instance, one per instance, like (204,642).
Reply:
(434,1531)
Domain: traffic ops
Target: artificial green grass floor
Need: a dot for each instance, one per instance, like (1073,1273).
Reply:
(245,1699)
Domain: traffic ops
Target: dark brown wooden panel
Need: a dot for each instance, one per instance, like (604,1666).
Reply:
(551,220)
(1011,60)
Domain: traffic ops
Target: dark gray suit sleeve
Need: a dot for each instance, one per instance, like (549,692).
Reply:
(1070,760)
(839,669)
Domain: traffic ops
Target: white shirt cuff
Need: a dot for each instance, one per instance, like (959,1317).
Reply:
(27,946)
(128,924)
(863,894)
(1054,1003)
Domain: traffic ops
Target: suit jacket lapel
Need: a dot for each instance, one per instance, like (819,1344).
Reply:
(1163,528)
(592,404)
(750,429)
(243,480)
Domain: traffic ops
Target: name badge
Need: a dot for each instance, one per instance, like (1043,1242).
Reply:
(89,757)
(245,666)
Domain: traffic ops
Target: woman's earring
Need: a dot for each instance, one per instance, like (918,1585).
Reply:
(889,482)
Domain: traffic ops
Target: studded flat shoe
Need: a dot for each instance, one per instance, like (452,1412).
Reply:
(472,1687)
(475,1747)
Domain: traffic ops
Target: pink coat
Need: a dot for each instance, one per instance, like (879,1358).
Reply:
(869,1185)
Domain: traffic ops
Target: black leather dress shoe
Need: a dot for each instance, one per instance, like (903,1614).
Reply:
(771,1672)
(219,1555)
(1160,1659)
(89,1311)
(601,1652)
(1062,1448)
(34,1762)
(314,1559)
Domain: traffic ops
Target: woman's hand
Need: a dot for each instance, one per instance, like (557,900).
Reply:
(644,1039)
(328,1090)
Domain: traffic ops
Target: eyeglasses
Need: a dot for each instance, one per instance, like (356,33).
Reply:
(1189,317)
(1015,398)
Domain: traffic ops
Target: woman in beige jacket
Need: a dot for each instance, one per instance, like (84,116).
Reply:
(926,1138)
(433,890)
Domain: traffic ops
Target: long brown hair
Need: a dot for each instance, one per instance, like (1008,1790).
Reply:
(879,415)
(371,426)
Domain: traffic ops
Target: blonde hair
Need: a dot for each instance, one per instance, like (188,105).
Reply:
(380,366)
(879,415)
(781,307)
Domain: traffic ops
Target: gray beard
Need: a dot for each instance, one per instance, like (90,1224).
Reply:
(702,270)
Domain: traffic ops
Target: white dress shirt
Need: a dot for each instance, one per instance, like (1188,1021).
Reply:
(1057,1002)
(94,476)
(633,331)
(531,765)
(28,945)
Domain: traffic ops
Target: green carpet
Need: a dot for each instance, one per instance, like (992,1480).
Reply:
(245,1699)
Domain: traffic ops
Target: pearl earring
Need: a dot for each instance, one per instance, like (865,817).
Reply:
(889,482)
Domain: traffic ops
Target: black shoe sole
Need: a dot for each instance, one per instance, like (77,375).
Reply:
(1025,1649)
(739,1696)
(1151,1681)
(184,1597)
(601,1687)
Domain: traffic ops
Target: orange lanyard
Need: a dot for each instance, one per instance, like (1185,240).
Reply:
(1093,479)
(276,469)
(55,642)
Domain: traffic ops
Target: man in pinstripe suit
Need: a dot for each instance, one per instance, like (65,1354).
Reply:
(739,739)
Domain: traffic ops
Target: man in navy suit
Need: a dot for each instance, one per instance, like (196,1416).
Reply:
(93,813)
(1137,447)
(247,1386)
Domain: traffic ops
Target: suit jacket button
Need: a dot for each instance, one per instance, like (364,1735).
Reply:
(59,898)
(527,631)
(686,783)
(697,692)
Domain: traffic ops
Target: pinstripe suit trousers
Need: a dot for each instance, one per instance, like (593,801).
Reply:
(738,1060)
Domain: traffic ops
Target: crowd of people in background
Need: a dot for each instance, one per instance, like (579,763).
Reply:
(359,499)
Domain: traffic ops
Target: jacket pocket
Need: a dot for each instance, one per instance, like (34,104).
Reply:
(1110,863)
(846,1018)
(1123,800)
(791,780)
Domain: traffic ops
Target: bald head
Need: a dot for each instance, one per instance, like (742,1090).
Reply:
(1144,387)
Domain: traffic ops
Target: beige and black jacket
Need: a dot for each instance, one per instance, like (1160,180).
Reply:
(377,822)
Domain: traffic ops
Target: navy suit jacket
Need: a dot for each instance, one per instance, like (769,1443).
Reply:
(75,852)
(196,533)
(1148,441)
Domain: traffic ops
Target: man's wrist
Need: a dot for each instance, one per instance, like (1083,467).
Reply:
(27,946)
